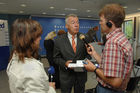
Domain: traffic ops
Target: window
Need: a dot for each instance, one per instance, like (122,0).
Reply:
(128,29)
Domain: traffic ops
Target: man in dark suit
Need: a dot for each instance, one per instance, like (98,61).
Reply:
(65,53)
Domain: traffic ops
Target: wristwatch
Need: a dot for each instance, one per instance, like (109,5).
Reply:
(97,66)
(95,69)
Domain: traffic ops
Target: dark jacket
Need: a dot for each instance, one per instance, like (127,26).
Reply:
(49,45)
(63,52)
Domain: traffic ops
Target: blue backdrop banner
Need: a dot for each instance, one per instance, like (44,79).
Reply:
(54,24)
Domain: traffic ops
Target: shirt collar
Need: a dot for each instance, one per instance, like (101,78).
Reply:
(70,36)
(110,34)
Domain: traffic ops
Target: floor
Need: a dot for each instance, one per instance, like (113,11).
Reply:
(4,87)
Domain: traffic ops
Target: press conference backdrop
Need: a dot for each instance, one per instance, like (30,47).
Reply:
(4,44)
(55,24)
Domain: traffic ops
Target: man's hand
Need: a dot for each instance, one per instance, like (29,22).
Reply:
(52,84)
(89,66)
(89,50)
(67,63)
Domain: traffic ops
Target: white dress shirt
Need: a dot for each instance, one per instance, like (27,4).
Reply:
(70,38)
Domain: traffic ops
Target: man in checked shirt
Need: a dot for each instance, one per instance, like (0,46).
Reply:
(116,61)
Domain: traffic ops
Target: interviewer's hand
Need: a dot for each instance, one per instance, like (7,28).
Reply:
(52,84)
(90,66)
(89,49)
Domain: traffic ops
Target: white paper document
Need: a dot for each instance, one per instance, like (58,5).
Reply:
(78,66)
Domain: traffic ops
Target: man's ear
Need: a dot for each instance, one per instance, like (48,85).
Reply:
(111,22)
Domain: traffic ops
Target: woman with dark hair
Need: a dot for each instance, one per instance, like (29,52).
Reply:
(26,74)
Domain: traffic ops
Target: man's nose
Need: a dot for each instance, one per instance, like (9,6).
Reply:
(76,24)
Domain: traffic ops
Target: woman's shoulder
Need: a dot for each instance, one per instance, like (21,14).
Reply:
(32,66)
(32,62)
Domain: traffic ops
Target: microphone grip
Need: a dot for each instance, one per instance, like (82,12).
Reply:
(87,44)
(89,48)
(51,79)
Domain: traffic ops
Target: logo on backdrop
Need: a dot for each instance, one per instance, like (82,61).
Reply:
(4,34)
(56,27)
(2,25)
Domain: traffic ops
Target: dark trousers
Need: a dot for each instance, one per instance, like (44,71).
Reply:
(78,88)
(56,77)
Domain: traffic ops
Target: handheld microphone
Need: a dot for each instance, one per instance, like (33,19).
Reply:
(82,37)
(51,72)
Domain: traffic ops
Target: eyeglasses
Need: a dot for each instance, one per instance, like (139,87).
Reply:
(73,22)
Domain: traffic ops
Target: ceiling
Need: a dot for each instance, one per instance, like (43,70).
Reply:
(83,8)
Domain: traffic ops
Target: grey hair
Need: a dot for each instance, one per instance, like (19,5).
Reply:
(70,15)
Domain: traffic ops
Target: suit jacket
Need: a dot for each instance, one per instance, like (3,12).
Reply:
(63,52)
(49,45)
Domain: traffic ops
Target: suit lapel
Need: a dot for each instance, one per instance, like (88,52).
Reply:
(78,44)
(68,44)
